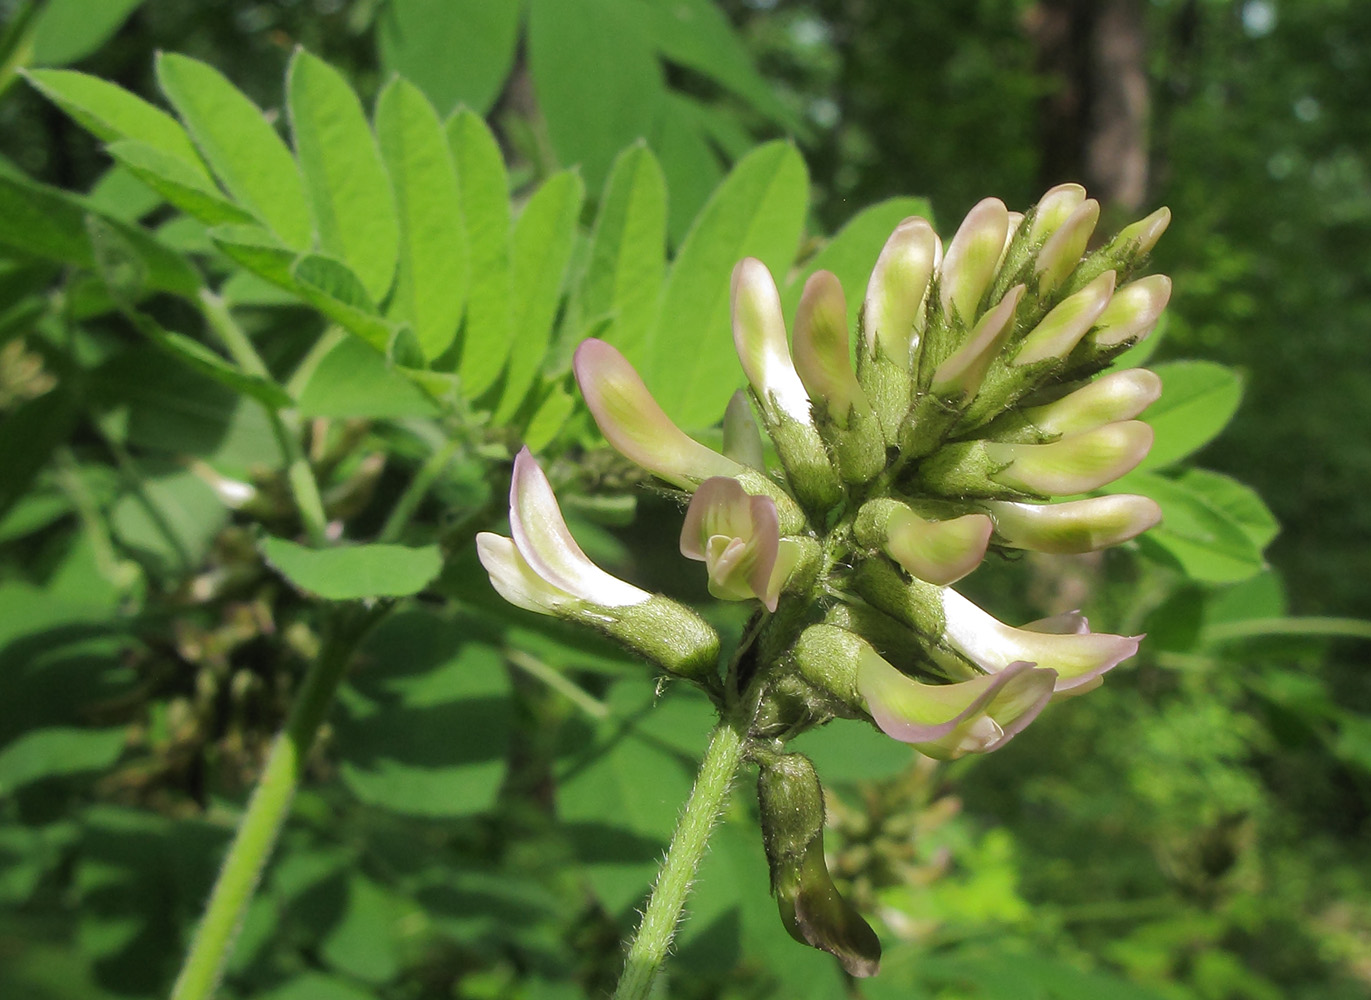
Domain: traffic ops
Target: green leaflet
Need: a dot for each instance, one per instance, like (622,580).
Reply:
(68,30)
(1214,527)
(427,728)
(597,78)
(189,189)
(697,34)
(691,165)
(623,281)
(416,39)
(236,140)
(484,187)
(348,189)
(351,573)
(111,113)
(431,286)
(543,240)
(759,212)
(1198,400)
(48,223)
(352,380)
(57,751)
(627,787)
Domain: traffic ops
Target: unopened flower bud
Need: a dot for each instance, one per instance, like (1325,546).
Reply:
(1063,249)
(742,440)
(1132,312)
(1062,328)
(961,374)
(1117,396)
(1143,235)
(822,354)
(893,312)
(633,422)
(972,257)
(1076,526)
(940,552)
(759,337)
(1053,209)
(636,427)
(1076,463)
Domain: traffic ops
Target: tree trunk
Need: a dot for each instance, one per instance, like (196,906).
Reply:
(1093,123)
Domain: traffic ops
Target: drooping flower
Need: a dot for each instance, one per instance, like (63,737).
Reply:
(542,569)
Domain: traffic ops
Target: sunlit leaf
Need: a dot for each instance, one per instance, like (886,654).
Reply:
(354,211)
(597,79)
(487,329)
(758,211)
(544,236)
(354,572)
(241,146)
(1198,400)
(420,40)
(431,286)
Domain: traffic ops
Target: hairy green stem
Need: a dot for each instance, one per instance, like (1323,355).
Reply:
(418,489)
(267,810)
(285,426)
(648,949)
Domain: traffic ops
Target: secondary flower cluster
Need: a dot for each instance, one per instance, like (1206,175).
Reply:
(973,402)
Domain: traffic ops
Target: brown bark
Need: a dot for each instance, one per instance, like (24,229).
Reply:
(1093,122)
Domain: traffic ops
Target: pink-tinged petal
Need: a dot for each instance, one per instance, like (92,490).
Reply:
(965,369)
(949,720)
(1063,249)
(1077,463)
(1133,311)
(893,311)
(994,646)
(1117,396)
(972,258)
(1074,527)
(742,440)
(543,540)
(1053,209)
(940,552)
(822,352)
(760,340)
(737,536)
(1145,232)
(635,425)
(514,579)
(1062,328)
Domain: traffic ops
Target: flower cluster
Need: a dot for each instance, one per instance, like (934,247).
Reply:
(976,399)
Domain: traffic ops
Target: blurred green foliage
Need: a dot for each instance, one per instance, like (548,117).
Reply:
(490,798)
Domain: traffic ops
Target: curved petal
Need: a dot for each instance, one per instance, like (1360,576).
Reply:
(972,258)
(1076,526)
(893,311)
(760,340)
(995,646)
(949,720)
(514,579)
(543,540)
(1077,463)
(1062,328)
(635,425)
